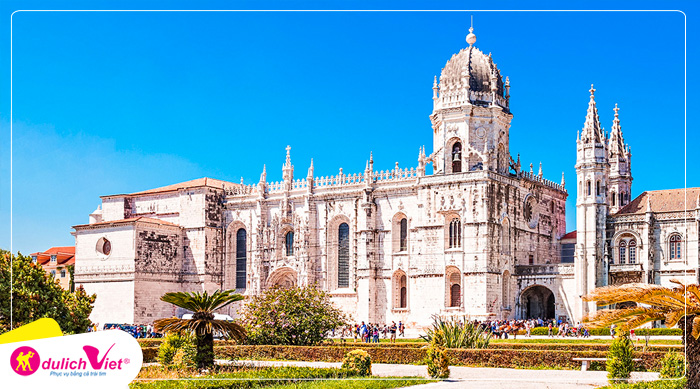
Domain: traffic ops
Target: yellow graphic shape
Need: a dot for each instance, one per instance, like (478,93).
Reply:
(39,329)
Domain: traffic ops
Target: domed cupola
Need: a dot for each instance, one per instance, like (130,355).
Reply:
(471,77)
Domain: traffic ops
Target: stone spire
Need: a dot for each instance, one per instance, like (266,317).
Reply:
(592,131)
(288,168)
(563,182)
(263,175)
(435,88)
(310,174)
(616,144)
(539,174)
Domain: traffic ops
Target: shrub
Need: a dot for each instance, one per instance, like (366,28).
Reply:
(619,363)
(295,316)
(437,361)
(358,361)
(452,333)
(673,365)
(177,350)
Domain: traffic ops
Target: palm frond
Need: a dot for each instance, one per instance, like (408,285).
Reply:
(627,317)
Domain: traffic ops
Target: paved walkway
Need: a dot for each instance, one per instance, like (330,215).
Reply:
(481,377)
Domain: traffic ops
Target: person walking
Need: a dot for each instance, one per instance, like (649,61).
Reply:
(402,328)
(392,332)
(549,330)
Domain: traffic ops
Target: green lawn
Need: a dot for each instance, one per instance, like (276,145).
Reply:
(156,377)
(659,384)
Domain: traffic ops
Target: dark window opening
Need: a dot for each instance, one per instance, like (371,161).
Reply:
(343,256)
(457,158)
(241,259)
(289,243)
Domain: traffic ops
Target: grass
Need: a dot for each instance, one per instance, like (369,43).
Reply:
(659,384)
(230,377)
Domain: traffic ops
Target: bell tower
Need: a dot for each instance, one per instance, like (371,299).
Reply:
(471,115)
(591,209)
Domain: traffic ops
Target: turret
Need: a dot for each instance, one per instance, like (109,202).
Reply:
(620,188)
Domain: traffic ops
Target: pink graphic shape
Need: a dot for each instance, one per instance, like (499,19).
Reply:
(92,354)
(25,361)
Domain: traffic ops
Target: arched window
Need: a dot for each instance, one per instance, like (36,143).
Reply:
(502,164)
(505,237)
(403,239)
(674,248)
(400,290)
(633,251)
(597,188)
(506,288)
(457,158)
(343,256)
(613,198)
(289,243)
(621,194)
(588,188)
(241,259)
(455,289)
(455,234)
(623,251)
(403,303)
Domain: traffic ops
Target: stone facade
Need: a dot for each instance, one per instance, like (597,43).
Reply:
(480,236)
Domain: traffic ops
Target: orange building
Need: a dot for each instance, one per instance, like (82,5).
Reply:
(55,261)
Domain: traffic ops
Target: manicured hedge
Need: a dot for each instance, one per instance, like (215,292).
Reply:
(606,331)
(576,346)
(470,357)
(150,354)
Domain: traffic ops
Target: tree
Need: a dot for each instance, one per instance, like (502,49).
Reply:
(297,316)
(202,324)
(677,306)
(36,294)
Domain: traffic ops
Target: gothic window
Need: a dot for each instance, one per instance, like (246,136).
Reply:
(454,288)
(505,237)
(457,158)
(241,258)
(633,251)
(588,188)
(623,250)
(675,246)
(597,188)
(613,198)
(403,246)
(621,198)
(455,234)
(343,256)
(400,290)
(289,243)
(506,288)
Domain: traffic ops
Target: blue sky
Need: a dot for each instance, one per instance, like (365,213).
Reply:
(117,102)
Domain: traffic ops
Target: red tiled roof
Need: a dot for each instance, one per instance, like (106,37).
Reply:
(129,221)
(64,256)
(671,200)
(205,181)
(570,235)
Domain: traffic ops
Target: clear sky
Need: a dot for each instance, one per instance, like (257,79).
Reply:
(118,102)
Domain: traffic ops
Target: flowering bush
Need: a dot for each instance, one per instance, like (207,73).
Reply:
(295,316)
(358,361)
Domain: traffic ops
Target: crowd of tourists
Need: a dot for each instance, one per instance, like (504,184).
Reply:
(138,331)
(505,328)
(372,332)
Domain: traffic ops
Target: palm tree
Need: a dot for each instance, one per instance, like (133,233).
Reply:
(678,306)
(202,323)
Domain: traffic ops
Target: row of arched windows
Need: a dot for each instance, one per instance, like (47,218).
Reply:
(453,233)
(453,289)
(627,249)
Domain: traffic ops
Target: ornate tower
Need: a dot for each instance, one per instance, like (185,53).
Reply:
(471,115)
(591,208)
(620,176)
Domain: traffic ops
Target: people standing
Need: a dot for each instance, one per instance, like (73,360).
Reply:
(402,328)
(392,332)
